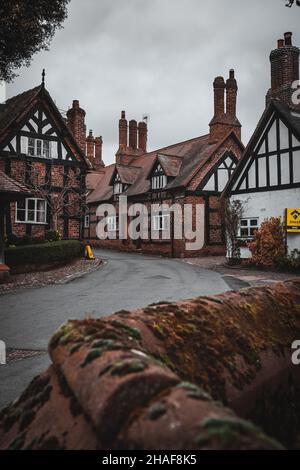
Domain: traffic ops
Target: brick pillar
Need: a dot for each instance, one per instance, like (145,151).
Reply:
(76,123)
(143,132)
(133,134)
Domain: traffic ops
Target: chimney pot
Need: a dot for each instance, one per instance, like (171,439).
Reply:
(123,138)
(288,39)
(143,131)
(219,88)
(280,43)
(98,153)
(231,94)
(133,134)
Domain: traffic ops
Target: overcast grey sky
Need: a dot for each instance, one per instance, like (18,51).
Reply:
(160,57)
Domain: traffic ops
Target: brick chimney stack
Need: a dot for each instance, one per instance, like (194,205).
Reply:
(90,147)
(99,163)
(231,94)
(143,134)
(219,89)
(133,134)
(284,70)
(223,122)
(132,145)
(76,124)
(123,126)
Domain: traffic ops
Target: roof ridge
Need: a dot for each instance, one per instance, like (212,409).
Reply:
(178,143)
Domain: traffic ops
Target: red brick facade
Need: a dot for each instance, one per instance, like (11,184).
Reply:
(39,121)
(188,167)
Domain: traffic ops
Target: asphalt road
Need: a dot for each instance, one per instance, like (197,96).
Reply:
(29,317)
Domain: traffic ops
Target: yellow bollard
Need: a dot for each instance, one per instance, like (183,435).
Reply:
(89,253)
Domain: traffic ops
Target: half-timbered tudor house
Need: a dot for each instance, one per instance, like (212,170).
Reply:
(267,178)
(193,172)
(47,152)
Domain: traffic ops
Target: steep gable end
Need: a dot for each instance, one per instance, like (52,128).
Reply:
(39,130)
(218,177)
(273,159)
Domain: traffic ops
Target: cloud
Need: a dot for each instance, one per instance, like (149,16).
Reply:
(160,57)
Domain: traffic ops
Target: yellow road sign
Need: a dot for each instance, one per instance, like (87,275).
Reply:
(293,220)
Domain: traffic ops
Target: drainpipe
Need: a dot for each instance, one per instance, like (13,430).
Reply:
(172,230)
(2,213)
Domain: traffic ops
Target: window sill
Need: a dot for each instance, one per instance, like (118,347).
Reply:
(31,223)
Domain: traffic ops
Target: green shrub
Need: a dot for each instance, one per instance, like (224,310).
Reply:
(52,236)
(48,253)
(290,262)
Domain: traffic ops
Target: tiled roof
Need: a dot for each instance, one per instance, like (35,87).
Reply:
(15,106)
(128,174)
(8,185)
(170,165)
(103,190)
(180,161)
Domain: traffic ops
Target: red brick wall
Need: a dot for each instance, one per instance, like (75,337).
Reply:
(163,247)
(37,231)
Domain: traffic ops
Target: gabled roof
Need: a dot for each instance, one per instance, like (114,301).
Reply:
(289,115)
(128,174)
(170,164)
(12,187)
(103,190)
(181,161)
(17,107)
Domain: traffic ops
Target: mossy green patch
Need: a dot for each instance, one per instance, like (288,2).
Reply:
(91,356)
(131,331)
(128,366)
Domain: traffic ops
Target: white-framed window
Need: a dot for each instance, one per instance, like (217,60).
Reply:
(31,211)
(39,148)
(159,182)
(159,179)
(248,227)
(118,188)
(112,223)
(161,222)
(86,221)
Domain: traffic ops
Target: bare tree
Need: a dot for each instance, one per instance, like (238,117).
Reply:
(67,200)
(232,213)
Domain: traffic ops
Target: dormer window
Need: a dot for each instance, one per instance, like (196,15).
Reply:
(118,185)
(159,179)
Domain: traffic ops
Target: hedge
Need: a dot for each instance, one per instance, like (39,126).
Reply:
(46,253)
